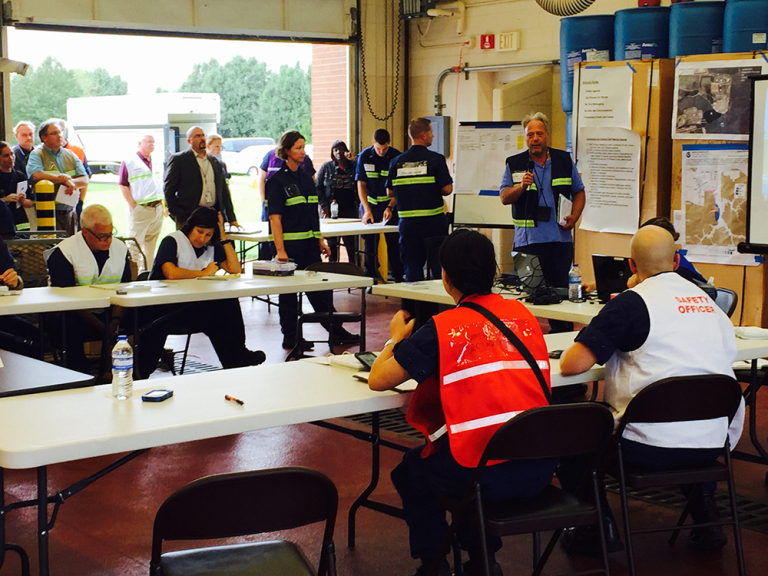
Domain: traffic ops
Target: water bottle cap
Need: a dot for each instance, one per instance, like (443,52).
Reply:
(122,337)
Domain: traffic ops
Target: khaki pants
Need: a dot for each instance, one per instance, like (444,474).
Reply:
(144,223)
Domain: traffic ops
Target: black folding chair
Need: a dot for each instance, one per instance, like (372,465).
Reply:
(681,399)
(582,429)
(230,505)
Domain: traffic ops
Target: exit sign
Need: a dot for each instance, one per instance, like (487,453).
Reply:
(487,41)
(509,41)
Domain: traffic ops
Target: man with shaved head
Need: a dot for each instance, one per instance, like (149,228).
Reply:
(195,178)
(664,326)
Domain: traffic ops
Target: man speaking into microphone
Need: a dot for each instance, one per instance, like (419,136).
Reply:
(533,183)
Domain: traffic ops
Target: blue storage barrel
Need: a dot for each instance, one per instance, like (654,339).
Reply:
(696,28)
(582,38)
(641,33)
(745,26)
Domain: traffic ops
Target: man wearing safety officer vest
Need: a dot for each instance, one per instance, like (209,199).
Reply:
(472,379)
(51,161)
(417,181)
(143,191)
(533,183)
(663,327)
(372,172)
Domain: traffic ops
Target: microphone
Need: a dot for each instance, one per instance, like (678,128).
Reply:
(528,169)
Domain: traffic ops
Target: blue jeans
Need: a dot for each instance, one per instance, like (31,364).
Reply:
(421,481)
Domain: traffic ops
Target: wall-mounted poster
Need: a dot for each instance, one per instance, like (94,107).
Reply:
(712,99)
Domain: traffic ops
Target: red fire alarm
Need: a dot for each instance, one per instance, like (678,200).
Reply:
(487,41)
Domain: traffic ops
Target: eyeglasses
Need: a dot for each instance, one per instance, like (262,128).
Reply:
(102,237)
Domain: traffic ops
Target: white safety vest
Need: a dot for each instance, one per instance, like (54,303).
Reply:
(145,186)
(77,253)
(689,335)
(185,253)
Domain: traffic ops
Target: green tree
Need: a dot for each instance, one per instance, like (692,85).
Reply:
(100,83)
(286,102)
(239,83)
(43,92)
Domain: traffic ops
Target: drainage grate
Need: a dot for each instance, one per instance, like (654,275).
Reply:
(753,515)
(193,366)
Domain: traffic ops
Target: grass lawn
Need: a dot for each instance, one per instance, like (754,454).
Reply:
(104,190)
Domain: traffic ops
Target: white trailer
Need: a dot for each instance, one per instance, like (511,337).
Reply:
(110,127)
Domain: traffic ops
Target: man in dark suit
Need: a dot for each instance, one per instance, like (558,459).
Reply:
(195,178)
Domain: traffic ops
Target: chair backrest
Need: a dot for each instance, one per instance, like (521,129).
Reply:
(229,505)
(727,300)
(337,268)
(683,399)
(552,432)
(30,258)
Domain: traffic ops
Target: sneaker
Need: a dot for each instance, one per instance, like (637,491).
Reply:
(475,568)
(585,540)
(708,538)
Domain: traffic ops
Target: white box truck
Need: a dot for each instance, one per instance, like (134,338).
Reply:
(110,127)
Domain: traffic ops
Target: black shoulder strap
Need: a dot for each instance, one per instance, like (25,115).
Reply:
(516,342)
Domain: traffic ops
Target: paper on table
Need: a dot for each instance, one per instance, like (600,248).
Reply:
(407,386)
(69,199)
(565,208)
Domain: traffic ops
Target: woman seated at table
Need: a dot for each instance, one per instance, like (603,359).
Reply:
(16,334)
(201,248)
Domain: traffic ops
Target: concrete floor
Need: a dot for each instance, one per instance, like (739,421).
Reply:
(106,530)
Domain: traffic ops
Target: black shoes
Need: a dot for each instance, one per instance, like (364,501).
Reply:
(342,337)
(704,509)
(585,540)
(289,343)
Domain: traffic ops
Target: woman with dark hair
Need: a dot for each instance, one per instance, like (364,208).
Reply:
(294,226)
(471,380)
(336,182)
(201,248)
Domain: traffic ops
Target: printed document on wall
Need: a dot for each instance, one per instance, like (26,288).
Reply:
(714,203)
(604,97)
(609,160)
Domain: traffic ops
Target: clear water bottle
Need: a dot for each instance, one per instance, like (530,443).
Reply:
(334,209)
(574,284)
(122,369)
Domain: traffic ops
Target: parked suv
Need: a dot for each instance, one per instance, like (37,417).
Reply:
(243,155)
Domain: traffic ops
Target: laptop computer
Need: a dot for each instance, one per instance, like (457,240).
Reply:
(528,270)
(611,275)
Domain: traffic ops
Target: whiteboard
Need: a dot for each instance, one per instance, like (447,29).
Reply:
(483,148)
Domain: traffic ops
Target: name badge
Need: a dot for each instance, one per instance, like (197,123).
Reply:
(370,167)
(412,169)
(517,177)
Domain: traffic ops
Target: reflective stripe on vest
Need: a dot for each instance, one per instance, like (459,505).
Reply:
(372,174)
(420,213)
(562,181)
(378,200)
(523,223)
(408,180)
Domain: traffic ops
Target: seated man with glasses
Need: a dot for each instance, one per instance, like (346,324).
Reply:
(93,256)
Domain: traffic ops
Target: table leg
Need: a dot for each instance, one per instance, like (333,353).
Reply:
(42,520)
(136,344)
(362,320)
(751,400)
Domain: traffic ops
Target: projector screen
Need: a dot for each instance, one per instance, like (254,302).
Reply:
(757,192)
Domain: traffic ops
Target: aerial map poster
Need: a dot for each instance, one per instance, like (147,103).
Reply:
(713,218)
(713,99)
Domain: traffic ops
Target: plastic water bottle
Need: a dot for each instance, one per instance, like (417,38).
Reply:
(574,284)
(122,369)
(334,210)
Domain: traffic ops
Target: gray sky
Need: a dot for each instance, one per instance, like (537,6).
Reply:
(146,62)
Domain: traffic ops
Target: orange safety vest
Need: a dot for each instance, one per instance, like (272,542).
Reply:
(483,380)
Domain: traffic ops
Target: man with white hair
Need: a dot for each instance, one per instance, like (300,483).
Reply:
(93,256)
(664,326)
(195,178)
(143,191)
(533,183)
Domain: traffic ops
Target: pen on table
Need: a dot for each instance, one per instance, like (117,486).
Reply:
(233,399)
